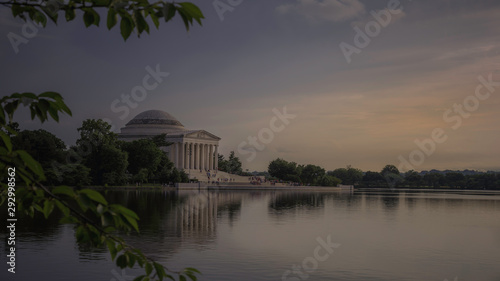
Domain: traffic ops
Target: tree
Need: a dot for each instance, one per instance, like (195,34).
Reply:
(160,140)
(433,179)
(412,178)
(371,179)
(391,175)
(77,206)
(74,175)
(455,179)
(221,162)
(133,14)
(232,165)
(348,175)
(327,180)
(44,147)
(283,170)
(311,174)
(143,154)
(73,204)
(141,176)
(96,133)
(107,162)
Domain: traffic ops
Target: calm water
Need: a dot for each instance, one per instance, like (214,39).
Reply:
(260,235)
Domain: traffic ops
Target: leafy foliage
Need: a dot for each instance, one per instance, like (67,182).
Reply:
(232,165)
(348,175)
(107,162)
(131,14)
(96,221)
(283,170)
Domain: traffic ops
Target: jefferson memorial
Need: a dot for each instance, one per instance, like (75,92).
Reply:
(190,149)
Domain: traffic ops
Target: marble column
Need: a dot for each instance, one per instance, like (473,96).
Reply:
(195,151)
(186,155)
(206,157)
(202,155)
(198,156)
(191,163)
(210,157)
(216,160)
(180,155)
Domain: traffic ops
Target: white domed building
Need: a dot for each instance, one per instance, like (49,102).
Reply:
(191,149)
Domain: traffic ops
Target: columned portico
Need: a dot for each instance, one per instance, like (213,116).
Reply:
(193,155)
(190,149)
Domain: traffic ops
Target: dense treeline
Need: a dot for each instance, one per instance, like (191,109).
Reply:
(388,177)
(99,158)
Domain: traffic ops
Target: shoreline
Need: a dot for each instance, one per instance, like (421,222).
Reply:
(278,188)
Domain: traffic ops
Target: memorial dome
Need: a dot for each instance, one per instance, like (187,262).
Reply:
(151,123)
(156,117)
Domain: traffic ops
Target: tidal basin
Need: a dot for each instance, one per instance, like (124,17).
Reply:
(277,235)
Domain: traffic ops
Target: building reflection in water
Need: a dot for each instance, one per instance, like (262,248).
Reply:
(197,214)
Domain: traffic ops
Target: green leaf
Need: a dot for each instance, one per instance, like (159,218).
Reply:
(193,10)
(88,18)
(111,248)
(33,165)
(48,207)
(192,269)
(66,190)
(141,23)
(51,13)
(53,114)
(10,108)
(39,17)
(155,20)
(139,278)
(131,260)
(63,208)
(121,261)
(27,95)
(132,222)
(111,22)
(126,26)
(6,141)
(16,10)
(192,276)
(169,10)
(149,268)
(70,14)
(182,278)
(186,19)
(2,115)
(52,95)
(122,210)
(160,271)
(91,17)
(84,202)
(95,196)
(44,105)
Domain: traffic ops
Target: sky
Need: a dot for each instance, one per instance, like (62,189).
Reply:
(324,82)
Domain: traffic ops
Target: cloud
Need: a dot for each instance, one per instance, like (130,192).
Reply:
(324,10)
(466,52)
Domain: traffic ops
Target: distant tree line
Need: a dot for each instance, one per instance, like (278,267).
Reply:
(388,177)
(99,158)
